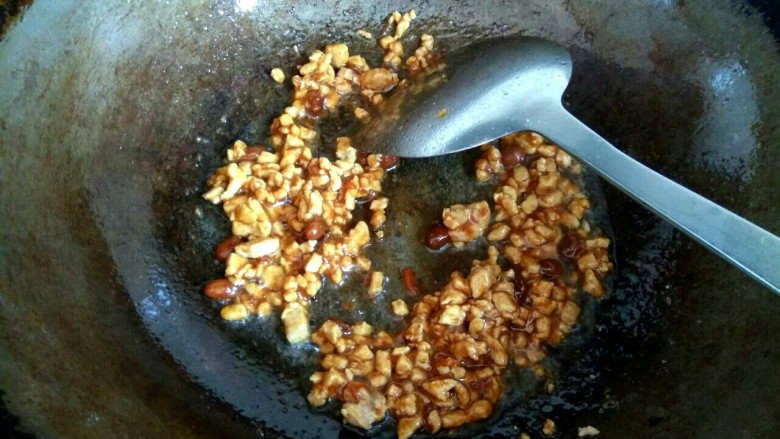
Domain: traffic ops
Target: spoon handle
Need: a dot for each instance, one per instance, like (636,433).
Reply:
(740,242)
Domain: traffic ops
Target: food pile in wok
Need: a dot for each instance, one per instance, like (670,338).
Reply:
(292,211)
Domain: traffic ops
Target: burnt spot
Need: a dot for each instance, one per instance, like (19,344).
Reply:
(10,10)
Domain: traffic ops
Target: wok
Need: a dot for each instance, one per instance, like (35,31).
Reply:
(113,114)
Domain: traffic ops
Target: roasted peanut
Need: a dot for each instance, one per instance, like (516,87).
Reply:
(219,289)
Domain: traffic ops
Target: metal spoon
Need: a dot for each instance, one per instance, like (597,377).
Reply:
(513,84)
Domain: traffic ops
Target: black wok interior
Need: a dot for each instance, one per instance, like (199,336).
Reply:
(112,117)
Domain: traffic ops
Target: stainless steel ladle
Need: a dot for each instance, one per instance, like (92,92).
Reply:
(513,84)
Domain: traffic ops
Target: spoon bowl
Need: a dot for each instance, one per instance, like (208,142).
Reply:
(479,99)
(500,86)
